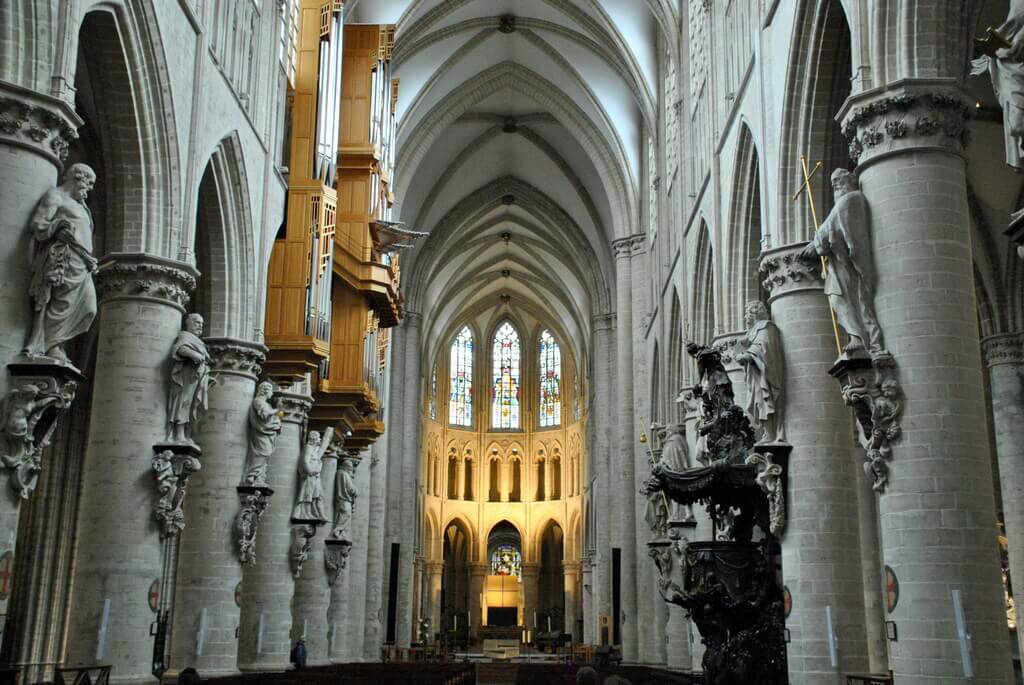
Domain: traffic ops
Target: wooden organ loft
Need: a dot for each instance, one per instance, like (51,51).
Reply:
(333,281)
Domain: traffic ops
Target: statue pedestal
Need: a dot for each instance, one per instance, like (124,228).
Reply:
(253,501)
(303,530)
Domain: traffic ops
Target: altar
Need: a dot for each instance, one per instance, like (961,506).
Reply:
(502,601)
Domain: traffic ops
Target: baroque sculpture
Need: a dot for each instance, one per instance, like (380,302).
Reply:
(28,416)
(302,542)
(763,364)
(190,381)
(172,471)
(345,494)
(309,504)
(1003,58)
(726,431)
(264,427)
(844,239)
(247,523)
(62,291)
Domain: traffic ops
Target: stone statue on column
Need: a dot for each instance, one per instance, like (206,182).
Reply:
(844,239)
(264,427)
(1002,57)
(309,505)
(62,291)
(763,364)
(190,381)
(345,494)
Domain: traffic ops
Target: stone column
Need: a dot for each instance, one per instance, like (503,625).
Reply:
(571,572)
(118,568)
(531,590)
(624,518)
(1004,355)
(209,573)
(821,543)
(601,498)
(375,578)
(435,572)
(310,618)
(477,573)
(938,515)
(871,570)
(587,599)
(264,634)
(35,131)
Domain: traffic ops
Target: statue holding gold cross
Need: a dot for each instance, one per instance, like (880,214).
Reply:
(844,239)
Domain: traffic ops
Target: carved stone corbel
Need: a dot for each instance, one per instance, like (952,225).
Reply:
(769,478)
(41,390)
(172,467)
(302,542)
(254,501)
(872,389)
(336,558)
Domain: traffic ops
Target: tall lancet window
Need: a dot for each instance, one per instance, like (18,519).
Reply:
(432,403)
(550,381)
(460,396)
(505,390)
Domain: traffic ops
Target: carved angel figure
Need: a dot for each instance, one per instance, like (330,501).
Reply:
(190,381)
(345,495)
(845,239)
(309,506)
(62,290)
(264,427)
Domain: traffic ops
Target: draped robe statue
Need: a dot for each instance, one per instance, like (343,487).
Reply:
(309,504)
(1005,66)
(190,381)
(62,291)
(344,497)
(845,239)
(764,371)
(264,427)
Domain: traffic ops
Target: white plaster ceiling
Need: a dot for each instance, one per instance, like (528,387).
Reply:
(554,114)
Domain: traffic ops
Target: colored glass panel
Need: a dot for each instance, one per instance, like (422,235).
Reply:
(550,381)
(506,386)
(506,561)
(460,396)
(433,394)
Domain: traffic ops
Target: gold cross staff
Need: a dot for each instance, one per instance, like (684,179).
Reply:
(808,175)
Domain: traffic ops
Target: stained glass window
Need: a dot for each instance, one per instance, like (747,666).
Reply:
(550,381)
(433,393)
(506,387)
(460,396)
(506,561)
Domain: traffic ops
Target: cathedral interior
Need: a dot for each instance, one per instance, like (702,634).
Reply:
(511,341)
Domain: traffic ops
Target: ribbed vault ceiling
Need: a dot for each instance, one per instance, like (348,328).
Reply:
(521,137)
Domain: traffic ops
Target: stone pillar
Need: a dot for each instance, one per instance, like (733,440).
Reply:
(1004,355)
(119,565)
(624,518)
(35,132)
(477,573)
(821,543)
(587,599)
(206,609)
(938,514)
(871,570)
(359,581)
(264,634)
(571,572)
(310,618)
(375,578)
(435,572)
(601,496)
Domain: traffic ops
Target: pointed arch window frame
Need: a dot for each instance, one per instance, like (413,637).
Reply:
(506,389)
(460,379)
(549,388)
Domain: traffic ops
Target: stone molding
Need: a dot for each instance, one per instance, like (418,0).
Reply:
(236,357)
(907,114)
(638,244)
(435,567)
(295,407)
(603,322)
(37,122)
(1003,349)
(785,270)
(622,248)
(136,276)
(412,319)
(570,567)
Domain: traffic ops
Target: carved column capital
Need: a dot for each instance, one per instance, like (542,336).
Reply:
(638,244)
(907,114)
(622,248)
(135,276)
(785,270)
(40,123)
(1006,348)
(435,568)
(236,357)
(571,567)
(295,407)
(412,319)
(603,322)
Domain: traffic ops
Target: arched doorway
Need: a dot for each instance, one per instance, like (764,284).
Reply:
(457,553)
(551,583)
(504,580)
